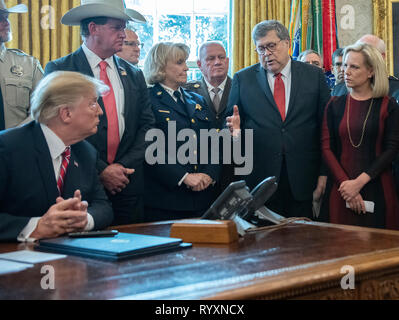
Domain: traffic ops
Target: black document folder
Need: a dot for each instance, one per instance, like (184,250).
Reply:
(122,246)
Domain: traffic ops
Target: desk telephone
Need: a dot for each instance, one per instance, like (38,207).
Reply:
(237,202)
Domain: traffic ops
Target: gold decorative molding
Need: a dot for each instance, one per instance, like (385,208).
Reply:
(383,28)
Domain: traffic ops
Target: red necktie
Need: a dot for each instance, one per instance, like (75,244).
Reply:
(66,156)
(279,94)
(112,116)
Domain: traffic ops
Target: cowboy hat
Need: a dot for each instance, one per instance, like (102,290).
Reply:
(100,8)
(19,8)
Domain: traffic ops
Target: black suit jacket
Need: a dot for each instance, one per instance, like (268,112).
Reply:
(162,190)
(138,117)
(28,187)
(340,89)
(297,139)
(201,88)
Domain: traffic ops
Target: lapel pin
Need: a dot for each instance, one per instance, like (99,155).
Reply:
(76,164)
(198,107)
(196,86)
(123,71)
(159,93)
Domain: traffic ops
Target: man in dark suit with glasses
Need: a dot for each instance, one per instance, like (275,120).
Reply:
(282,101)
(131,48)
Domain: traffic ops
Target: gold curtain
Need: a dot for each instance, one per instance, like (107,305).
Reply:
(246,14)
(40,32)
(383,28)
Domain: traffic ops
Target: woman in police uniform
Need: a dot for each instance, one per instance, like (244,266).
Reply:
(175,189)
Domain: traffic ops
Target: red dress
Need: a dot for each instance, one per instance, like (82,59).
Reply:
(374,123)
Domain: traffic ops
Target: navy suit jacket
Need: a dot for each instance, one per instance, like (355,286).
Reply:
(138,116)
(28,187)
(162,190)
(297,139)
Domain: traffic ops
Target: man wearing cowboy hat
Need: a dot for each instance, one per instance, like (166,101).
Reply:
(120,139)
(19,75)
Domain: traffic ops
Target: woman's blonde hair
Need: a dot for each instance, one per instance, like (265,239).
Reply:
(373,60)
(158,57)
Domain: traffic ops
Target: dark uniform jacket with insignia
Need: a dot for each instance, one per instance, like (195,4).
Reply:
(161,180)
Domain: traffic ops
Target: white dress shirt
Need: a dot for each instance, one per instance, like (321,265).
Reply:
(113,75)
(286,77)
(56,147)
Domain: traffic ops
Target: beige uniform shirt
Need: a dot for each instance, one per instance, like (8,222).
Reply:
(19,75)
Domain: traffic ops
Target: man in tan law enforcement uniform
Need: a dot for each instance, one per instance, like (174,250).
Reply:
(19,75)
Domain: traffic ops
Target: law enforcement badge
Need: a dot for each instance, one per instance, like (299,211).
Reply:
(17,70)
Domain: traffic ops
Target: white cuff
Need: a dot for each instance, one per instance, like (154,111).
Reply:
(27,231)
(182,179)
(90,223)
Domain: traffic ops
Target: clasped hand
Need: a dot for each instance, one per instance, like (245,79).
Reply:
(115,177)
(64,216)
(350,192)
(197,181)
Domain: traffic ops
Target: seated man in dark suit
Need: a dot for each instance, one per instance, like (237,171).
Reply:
(49,184)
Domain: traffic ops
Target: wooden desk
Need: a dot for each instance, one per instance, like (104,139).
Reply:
(302,260)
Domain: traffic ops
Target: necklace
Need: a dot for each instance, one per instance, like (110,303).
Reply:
(364,123)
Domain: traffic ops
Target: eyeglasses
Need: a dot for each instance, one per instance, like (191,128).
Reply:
(272,46)
(134,44)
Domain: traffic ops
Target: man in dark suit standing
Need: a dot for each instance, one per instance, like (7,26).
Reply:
(215,87)
(48,180)
(282,101)
(215,84)
(120,139)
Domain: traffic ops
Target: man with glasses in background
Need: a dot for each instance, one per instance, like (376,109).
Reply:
(131,47)
(282,101)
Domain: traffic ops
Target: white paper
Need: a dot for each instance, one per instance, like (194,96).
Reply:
(369,205)
(12,266)
(29,256)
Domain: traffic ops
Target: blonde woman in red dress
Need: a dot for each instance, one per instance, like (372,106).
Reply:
(360,138)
